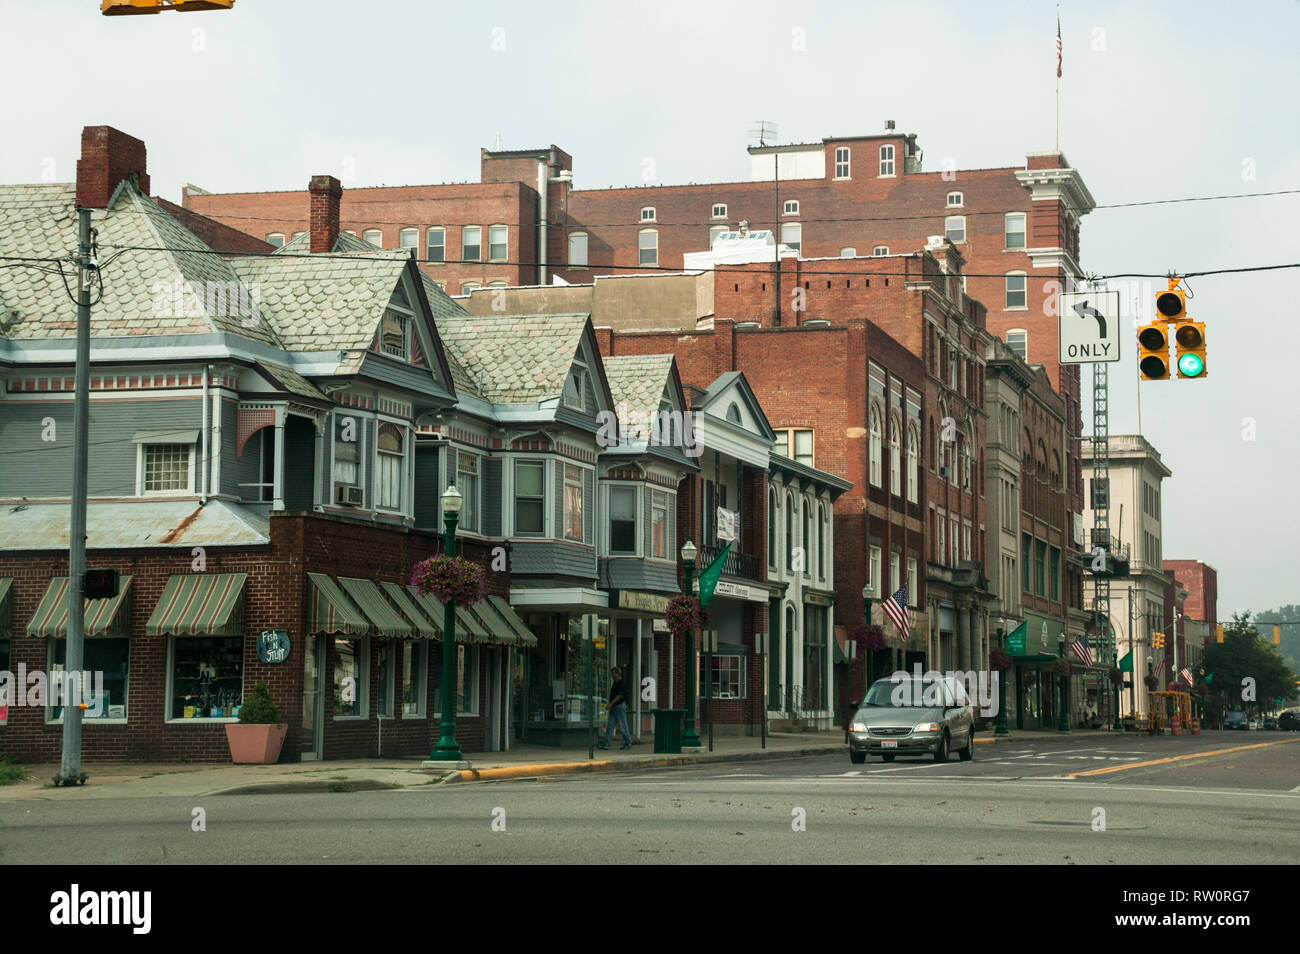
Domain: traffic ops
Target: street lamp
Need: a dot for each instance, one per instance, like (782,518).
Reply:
(690,738)
(866,621)
(1064,724)
(447,750)
(1002,683)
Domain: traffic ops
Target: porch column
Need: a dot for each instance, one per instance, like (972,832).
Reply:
(278,491)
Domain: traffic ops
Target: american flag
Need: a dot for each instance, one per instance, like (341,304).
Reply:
(1159,668)
(1058,45)
(1080,647)
(1187,674)
(896,609)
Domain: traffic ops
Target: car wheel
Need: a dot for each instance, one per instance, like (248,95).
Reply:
(941,753)
(857,758)
(887,758)
(968,753)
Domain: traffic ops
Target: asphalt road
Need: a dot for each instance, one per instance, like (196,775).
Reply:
(1018,803)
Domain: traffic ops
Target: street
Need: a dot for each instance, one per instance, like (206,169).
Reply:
(1058,801)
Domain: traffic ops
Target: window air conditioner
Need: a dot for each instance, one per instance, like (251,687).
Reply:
(347,495)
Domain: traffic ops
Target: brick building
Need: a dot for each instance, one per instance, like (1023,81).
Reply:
(1202,582)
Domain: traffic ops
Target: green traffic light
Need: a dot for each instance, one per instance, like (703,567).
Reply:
(1190,365)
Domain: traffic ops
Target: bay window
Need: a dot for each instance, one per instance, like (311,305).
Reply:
(530,497)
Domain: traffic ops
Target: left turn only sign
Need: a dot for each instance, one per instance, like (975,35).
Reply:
(1089,327)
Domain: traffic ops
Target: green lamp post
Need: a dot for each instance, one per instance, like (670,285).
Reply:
(1002,684)
(690,738)
(1064,724)
(866,621)
(447,749)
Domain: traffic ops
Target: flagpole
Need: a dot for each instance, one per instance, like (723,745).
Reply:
(1058,77)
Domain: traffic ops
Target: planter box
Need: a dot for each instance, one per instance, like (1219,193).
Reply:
(255,744)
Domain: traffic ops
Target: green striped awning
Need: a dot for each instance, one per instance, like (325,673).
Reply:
(425,627)
(514,621)
(200,604)
(503,623)
(6,606)
(111,617)
(331,613)
(469,622)
(384,620)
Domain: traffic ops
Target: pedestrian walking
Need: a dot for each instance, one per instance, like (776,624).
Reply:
(617,706)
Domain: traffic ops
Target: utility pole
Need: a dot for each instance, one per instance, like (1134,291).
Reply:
(70,767)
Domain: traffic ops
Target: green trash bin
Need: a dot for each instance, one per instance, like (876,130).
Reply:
(668,730)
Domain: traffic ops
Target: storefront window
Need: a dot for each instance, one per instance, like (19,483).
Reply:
(350,679)
(4,690)
(207,677)
(107,656)
(728,680)
(584,686)
(384,660)
(814,659)
(414,663)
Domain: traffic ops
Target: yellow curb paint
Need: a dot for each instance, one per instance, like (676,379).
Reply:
(1175,758)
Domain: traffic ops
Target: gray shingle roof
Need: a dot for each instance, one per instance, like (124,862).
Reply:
(516,359)
(344,243)
(637,383)
(291,381)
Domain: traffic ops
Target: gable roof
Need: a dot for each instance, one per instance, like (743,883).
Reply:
(636,385)
(516,359)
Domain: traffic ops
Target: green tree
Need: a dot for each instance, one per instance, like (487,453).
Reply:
(1246,655)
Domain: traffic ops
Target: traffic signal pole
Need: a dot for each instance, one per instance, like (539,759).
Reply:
(70,765)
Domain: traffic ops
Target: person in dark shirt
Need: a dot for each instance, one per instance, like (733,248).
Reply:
(617,707)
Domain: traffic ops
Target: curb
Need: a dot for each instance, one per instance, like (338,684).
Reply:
(298,787)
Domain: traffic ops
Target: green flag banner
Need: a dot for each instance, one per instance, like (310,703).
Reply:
(1208,677)
(709,575)
(1126,662)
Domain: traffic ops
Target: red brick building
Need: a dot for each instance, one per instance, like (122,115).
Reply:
(1202,583)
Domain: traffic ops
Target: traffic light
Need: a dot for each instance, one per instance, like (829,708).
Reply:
(1277,635)
(1171,305)
(101,583)
(1157,640)
(1153,351)
(1189,339)
(1218,633)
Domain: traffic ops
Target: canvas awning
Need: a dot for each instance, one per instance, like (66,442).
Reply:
(425,626)
(384,620)
(6,606)
(469,622)
(110,617)
(484,622)
(330,612)
(499,629)
(523,635)
(200,604)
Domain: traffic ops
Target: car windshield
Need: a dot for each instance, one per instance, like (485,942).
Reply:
(913,693)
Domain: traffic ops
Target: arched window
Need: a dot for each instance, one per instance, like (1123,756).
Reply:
(806,539)
(771,527)
(895,457)
(823,537)
(873,451)
(913,464)
(391,464)
(276,239)
(1015,297)
(374,236)
(789,531)
(648,247)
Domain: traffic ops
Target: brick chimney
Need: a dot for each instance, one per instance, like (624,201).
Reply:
(326,194)
(108,156)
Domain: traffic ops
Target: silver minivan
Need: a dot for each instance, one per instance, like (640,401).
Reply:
(911,715)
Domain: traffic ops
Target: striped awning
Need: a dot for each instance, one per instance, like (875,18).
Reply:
(384,620)
(200,604)
(468,621)
(331,613)
(502,623)
(523,634)
(6,606)
(425,627)
(111,617)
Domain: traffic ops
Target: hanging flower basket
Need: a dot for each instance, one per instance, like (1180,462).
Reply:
(999,660)
(1151,682)
(1176,687)
(450,580)
(1117,676)
(869,638)
(1061,667)
(683,615)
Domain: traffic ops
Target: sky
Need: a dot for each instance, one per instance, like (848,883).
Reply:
(1157,101)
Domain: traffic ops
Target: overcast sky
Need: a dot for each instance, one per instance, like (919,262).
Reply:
(1157,101)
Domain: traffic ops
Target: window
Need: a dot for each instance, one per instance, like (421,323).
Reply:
(954,228)
(5,700)
(573,503)
(168,467)
(276,239)
(1054,574)
(435,245)
(351,680)
(466,681)
(874,447)
(471,243)
(887,160)
(622,520)
(575,387)
(1026,541)
(374,237)
(408,238)
(842,162)
(207,676)
(469,287)
(795,443)
(498,243)
(530,497)
(954,199)
(955,540)
(728,677)
(1013,230)
(347,449)
(659,525)
(467,484)
(109,656)
(392,335)
(874,580)
(1016,290)
(385,663)
(789,532)
(895,458)
(880,250)
(719,210)
(415,661)
(895,572)
(913,462)
(389,467)
(647,243)
(965,542)
(714,232)
(1018,343)
(815,658)
(1040,567)
(791,207)
(823,543)
(792,235)
(578,250)
(298,235)
(848,251)
(911,582)
(648,214)
(806,536)
(771,527)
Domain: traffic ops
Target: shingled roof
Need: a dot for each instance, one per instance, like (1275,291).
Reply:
(516,359)
(637,383)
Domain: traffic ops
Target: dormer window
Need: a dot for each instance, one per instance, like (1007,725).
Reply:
(575,388)
(393,335)
(648,214)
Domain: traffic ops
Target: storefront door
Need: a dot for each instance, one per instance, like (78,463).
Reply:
(313,697)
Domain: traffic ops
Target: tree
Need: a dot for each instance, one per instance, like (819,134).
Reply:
(1247,659)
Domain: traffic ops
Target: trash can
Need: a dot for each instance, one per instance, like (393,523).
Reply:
(668,730)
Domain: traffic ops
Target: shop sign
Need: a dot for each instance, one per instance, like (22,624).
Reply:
(273,646)
(634,600)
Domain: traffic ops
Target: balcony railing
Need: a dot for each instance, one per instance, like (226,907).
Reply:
(737,563)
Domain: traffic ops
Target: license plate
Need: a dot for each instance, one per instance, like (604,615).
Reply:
(889,744)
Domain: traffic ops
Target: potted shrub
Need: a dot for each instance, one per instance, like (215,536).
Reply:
(259,735)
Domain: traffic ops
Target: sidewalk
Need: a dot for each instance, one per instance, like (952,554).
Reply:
(141,780)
